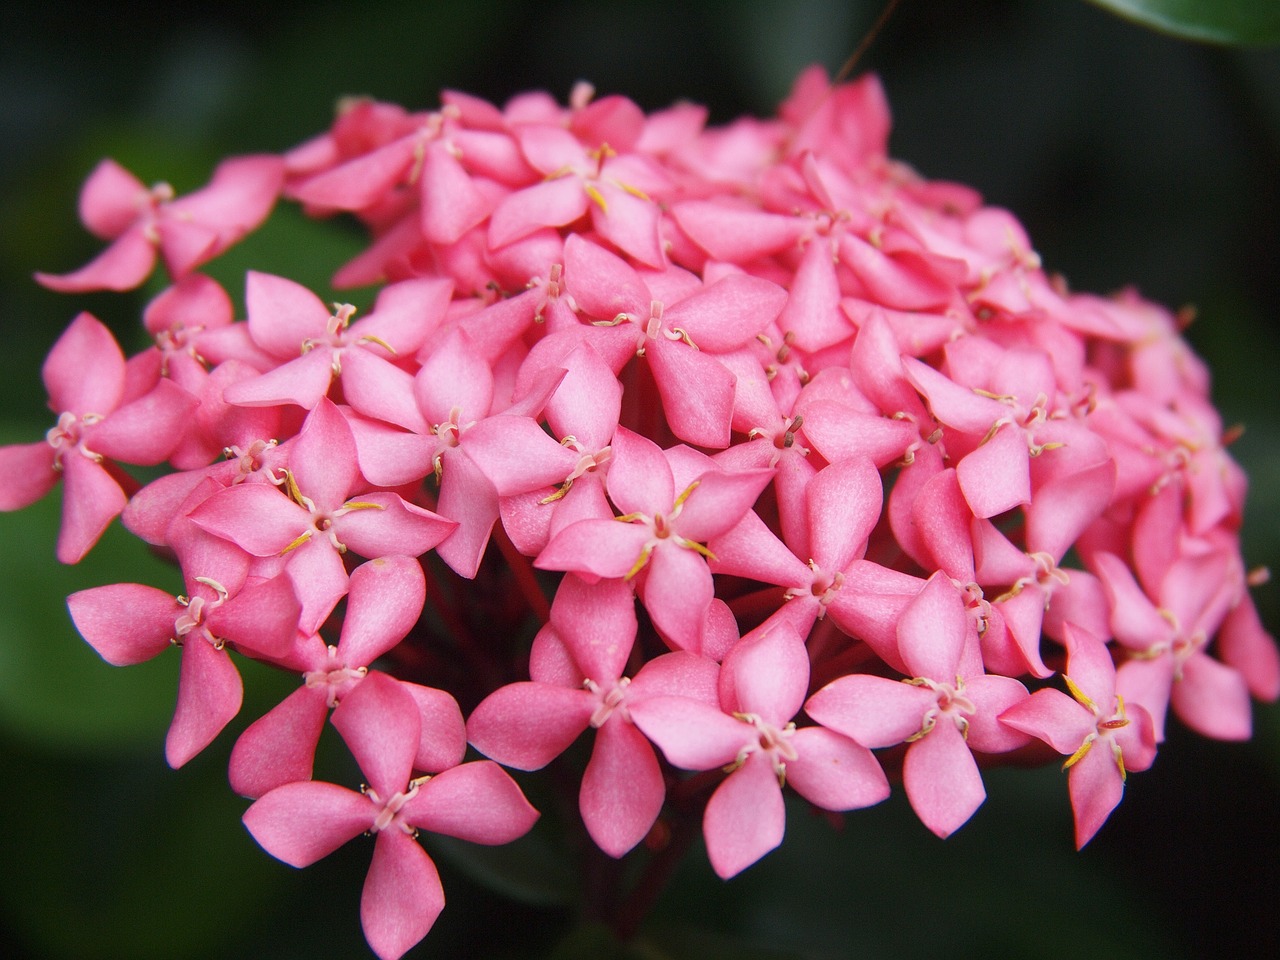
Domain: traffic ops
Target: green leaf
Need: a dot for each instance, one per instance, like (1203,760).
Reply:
(1242,22)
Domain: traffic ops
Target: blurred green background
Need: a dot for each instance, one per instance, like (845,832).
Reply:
(1131,157)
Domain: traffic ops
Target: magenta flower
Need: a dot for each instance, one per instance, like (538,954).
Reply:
(759,377)
(302,822)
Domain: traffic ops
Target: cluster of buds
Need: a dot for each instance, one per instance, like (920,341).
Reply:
(796,467)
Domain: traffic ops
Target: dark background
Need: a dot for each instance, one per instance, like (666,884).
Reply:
(1132,158)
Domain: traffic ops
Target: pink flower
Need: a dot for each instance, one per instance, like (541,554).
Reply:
(98,422)
(383,604)
(946,710)
(302,822)
(1094,716)
(660,532)
(129,623)
(186,232)
(752,734)
(577,665)
(323,509)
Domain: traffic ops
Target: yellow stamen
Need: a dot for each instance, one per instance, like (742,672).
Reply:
(1081,697)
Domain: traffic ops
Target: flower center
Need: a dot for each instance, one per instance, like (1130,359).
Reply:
(336,679)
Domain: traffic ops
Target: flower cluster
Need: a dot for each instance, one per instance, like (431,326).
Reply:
(787,455)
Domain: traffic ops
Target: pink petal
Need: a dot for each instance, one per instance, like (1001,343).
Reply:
(551,203)
(597,624)
(255,516)
(122,266)
(475,801)
(402,895)
(728,314)
(995,477)
(380,724)
(302,822)
(873,711)
(209,695)
(110,200)
(126,623)
(693,735)
(992,695)
(443,741)
(595,548)
(185,244)
(302,381)
(640,479)
(262,618)
(362,181)
(767,674)
(933,629)
(1134,618)
(1064,507)
(319,581)
(517,455)
(1091,667)
(745,818)
(587,402)
(677,592)
(323,459)
(953,404)
(1096,786)
(527,725)
(85,370)
(236,199)
(147,430)
(942,779)
(384,601)
(1053,717)
(282,314)
(468,498)
(696,391)
(1212,699)
(393,526)
(622,788)
(812,311)
(629,222)
(455,376)
(451,202)
(91,499)
(719,501)
(1244,643)
(26,474)
(279,747)
(835,773)
(736,235)
(1149,684)
(844,506)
